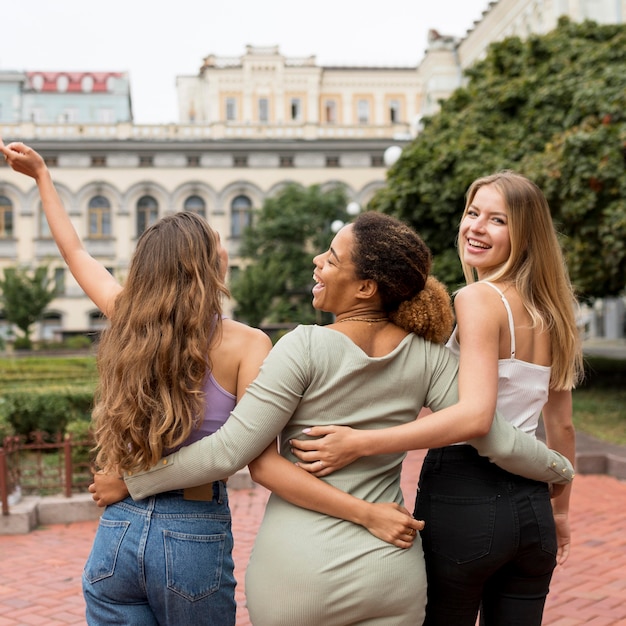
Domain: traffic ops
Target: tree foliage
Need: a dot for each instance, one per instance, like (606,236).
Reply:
(552,107)
(25,296)
(292,227)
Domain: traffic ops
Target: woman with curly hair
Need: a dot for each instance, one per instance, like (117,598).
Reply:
(380,361)
(492,539)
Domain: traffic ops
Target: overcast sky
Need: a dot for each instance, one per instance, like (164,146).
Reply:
(156,41)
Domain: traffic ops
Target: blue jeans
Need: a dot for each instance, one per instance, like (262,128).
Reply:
(163,560)
(489,541)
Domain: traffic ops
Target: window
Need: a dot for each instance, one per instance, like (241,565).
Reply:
(6,218)
(69,116)
(231,109)
(363,111)
(6,330)
(240,161)
(332,161)
(44,229)
(394,111)
(264,110)
(97,321)
(99,216)
(330,112)
(105,116)
(193,161)
(195,204)
(145,161)
(59,281)
(296,109)
(241,215)
(50,325)
(62,83)
(37,82)
(286,161)
(98,161)
(86,84)
(147,213)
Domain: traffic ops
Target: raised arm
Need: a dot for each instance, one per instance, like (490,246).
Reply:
(94,279)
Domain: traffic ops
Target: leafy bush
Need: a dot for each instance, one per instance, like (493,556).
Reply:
(79,342)
(80,430)
(48,410)
(6,428)
(22,343)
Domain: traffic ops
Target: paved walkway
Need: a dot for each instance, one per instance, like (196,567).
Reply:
(40,572)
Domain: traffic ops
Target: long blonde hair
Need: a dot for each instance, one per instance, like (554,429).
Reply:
(537,268)
(153,358)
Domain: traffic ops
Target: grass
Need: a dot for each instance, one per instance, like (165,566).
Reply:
(600,402)
(601,413)
(26,373)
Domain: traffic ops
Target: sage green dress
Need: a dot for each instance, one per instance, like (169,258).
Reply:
(306,568)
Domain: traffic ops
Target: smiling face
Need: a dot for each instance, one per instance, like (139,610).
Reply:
(334,275)
(484,240)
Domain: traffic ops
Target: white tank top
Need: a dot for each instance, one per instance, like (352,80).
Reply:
(523,387)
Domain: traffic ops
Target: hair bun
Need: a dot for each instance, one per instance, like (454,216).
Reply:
(429,314)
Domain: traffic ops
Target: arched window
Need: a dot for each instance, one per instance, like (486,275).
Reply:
(44,229)
(63,83)
(195,204)
(50,325)
(99,215)
(241,215)
(6,218)
(147,213)
(97,321)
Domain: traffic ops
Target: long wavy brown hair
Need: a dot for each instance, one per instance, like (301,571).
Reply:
(154,356)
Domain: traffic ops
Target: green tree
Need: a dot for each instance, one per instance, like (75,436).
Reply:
(292,227)
(552,107)
(25,296)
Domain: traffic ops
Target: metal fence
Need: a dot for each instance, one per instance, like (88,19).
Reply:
(44,464)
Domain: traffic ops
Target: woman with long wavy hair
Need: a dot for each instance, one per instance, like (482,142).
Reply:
(170,371)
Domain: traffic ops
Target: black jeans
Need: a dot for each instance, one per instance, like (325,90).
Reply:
(489,541)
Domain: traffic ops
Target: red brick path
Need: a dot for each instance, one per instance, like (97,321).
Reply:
(40,572)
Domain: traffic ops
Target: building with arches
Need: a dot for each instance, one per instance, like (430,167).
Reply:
(247,127)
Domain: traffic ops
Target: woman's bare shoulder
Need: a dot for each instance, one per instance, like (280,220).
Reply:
(238,333)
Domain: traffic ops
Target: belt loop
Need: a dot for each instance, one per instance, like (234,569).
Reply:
(218,491)
(439,459)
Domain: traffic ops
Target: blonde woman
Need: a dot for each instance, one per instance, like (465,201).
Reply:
(492,539)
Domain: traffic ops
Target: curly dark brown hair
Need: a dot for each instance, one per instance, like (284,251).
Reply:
(393,255)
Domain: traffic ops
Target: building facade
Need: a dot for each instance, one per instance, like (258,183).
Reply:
(65,97)
(247,127)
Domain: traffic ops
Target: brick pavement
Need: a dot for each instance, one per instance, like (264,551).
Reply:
(40,572)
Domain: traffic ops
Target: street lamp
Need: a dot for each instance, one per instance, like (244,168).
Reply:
(391,155)
(353,209)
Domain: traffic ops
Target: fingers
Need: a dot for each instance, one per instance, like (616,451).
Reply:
(317,468)
(304,444)
(562,554)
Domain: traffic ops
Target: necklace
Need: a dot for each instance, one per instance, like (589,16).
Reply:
(370,320)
